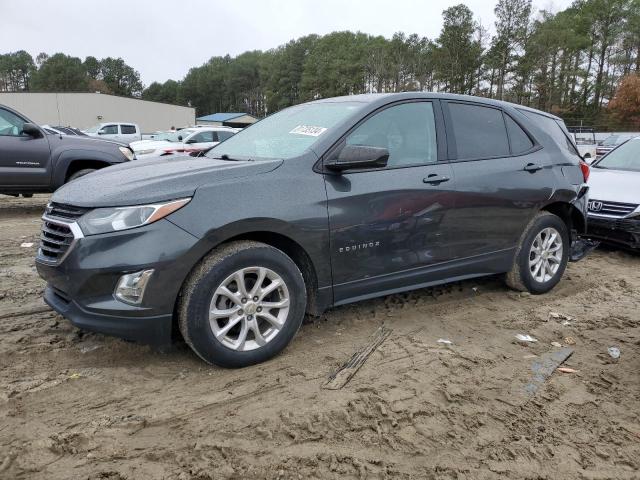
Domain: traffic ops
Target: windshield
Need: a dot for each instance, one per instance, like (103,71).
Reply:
(171,136)
(285,134)
(625,157)
(93,129)
(616,140)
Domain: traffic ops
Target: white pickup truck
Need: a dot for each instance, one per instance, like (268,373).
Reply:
(118,131)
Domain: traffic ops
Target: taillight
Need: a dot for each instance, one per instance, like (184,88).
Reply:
(585,170)
(171,151)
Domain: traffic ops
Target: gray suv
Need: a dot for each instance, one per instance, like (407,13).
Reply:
(319,205)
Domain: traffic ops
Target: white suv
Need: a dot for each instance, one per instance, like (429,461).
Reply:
(187,140)
(120,132)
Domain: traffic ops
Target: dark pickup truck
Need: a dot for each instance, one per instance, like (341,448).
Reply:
(33,161)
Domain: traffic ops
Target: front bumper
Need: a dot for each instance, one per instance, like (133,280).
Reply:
(624,232)
(81,288)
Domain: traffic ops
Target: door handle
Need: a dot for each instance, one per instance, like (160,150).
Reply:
(435,179)
(532,167)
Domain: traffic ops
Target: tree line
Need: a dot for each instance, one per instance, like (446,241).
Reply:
(19,72)
(570,63)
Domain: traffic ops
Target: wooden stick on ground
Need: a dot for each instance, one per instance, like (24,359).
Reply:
(340,378)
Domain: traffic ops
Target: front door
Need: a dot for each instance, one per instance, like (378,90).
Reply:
(389,225)
(24,160)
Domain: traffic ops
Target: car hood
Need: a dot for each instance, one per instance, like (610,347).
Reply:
(155,144)
(154,180)
(614,185)
(75,140)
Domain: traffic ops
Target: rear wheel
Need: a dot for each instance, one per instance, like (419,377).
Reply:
(80,173)
(242,305)
(542,255)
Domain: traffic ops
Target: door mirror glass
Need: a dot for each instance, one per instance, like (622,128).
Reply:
(359,156)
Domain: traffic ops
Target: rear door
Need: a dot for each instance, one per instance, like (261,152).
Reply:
(502,180)
(389,225)
(24,160)
(129,133)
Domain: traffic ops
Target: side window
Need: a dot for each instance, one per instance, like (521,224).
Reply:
(222,136)
(407,131)
(109,130)
(10,124)
(520,141)
(128,129)
(202,137)
(479,131)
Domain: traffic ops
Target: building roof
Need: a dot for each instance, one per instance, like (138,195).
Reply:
(222,117)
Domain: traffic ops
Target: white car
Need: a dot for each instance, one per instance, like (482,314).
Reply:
(614,197)
(187,140)
(118,131)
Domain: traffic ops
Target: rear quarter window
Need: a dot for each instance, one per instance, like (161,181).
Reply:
(555,130)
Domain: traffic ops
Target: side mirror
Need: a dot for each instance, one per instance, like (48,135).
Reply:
(359,156)
(32,130)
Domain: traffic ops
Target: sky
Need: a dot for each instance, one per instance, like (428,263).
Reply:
(162,39)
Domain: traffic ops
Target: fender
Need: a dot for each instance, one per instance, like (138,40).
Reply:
(63,158)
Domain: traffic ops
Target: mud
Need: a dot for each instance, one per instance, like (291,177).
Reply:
(77,405)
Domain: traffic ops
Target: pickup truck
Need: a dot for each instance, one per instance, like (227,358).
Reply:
(34,161)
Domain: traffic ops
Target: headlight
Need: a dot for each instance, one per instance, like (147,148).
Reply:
(103,220)
(145,152)
(127,153)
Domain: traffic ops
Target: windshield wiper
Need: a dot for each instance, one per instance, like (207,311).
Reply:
(224,156)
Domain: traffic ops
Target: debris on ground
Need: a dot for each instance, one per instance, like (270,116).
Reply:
(567,370)
(444,341)
(560,316)
(26,244)
(340,378)
(614,352)
(525,338)
(556,344)
(544,367)
(569,340)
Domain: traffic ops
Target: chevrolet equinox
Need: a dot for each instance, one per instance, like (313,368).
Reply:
(321,204)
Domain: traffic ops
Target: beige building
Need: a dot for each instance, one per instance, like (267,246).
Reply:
(83,110)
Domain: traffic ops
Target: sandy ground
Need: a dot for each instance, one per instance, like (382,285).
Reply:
(82,405)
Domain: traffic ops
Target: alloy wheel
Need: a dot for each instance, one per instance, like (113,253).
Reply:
(249,308)
(545,256)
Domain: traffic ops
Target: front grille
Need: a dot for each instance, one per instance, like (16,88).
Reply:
(57,236)
(67,212)
(613,209)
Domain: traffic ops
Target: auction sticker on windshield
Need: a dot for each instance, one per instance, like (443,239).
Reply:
(308,130)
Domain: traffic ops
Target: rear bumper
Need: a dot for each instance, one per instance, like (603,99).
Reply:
(624,232)
(155,330)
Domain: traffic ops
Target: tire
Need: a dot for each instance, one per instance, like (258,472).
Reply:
(525,275)
(203,295)
(80,173)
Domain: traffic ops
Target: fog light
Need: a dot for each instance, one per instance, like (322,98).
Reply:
(131,287)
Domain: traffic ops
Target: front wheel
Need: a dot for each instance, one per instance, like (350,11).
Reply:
(242,305)
(542,255)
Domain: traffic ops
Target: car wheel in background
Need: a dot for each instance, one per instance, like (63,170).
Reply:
(242,304)
(80,173)
(541,256)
